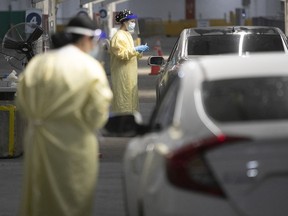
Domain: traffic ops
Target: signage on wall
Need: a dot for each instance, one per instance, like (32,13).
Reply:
(203,23)
(190,9)
(103,13)
(83,11)
(34,16)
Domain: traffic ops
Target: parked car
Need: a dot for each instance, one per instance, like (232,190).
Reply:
(217,144)
(196,42)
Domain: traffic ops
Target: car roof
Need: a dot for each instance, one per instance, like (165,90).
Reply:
(234,66)
(218,30)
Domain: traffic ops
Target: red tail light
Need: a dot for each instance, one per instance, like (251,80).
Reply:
(187,168)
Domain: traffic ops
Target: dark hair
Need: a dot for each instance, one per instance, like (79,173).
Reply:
(60,39)
(63,38)
(124,15)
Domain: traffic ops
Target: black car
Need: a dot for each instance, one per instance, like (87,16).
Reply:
(195,42)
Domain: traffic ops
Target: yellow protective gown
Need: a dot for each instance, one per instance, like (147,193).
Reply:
(124,74)
(65,96)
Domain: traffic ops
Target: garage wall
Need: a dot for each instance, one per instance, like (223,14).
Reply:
(15,5)
(205,9)
(175,9)
(169,9)
(8,19)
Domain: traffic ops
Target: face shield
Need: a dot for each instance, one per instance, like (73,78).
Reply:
(133,27)
(98,49)
(96,35)
(101,47)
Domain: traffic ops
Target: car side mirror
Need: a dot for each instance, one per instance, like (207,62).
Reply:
(156,60)
(124,125)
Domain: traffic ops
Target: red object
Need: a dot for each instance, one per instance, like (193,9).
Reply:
(158,52)
(158,48)
(187,168)
(154,70)
(190,9)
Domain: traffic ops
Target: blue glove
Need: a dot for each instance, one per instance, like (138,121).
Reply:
(141,48)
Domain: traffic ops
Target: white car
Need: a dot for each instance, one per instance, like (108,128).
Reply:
(217,145)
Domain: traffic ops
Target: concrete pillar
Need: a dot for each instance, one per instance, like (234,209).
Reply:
(111,8)
(48,8)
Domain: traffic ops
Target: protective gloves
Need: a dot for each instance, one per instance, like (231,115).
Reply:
(141,48)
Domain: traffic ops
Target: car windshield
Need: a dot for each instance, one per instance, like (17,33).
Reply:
(234,43)
(246,99)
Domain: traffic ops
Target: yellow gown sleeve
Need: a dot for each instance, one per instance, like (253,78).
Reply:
(121,47)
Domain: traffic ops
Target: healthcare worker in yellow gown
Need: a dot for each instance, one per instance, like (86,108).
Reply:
(124,65)
(64,95)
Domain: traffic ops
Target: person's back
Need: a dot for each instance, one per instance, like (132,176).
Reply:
(65,96)
(62,76)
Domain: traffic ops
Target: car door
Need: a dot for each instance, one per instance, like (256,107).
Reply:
(136,153)
(168,70)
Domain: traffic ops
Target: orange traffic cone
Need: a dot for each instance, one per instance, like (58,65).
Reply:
(158,47)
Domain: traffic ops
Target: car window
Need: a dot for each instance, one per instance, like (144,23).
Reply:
(262,43)
(172,60)
(246,99)
(163,115)
(234,43)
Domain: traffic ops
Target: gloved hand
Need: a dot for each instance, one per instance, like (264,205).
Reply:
(141,48)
